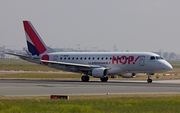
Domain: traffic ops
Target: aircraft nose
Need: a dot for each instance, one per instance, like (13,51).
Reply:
(167,66)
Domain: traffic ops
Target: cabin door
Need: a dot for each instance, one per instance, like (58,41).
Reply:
(141,60)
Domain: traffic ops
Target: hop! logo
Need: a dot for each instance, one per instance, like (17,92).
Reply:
(124,59)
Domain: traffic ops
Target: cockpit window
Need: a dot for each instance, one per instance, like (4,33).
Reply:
(158,57)
(152,58)
(155,58)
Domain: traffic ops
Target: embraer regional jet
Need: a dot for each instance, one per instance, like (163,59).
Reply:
(96,64)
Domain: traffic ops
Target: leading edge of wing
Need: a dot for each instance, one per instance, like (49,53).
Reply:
(71,64)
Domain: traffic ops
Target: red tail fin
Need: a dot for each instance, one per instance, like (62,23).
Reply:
(35,44)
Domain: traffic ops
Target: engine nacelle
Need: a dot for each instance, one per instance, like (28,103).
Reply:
(99,72)
(128,75)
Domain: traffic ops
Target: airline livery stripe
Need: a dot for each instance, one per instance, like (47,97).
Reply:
(34,37)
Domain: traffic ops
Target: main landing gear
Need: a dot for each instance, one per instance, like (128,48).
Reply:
(105,79)
(85,78)
(149,80)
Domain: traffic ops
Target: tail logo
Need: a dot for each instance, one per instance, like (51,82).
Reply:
(35,44)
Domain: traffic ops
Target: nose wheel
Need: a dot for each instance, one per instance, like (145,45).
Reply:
(149,80)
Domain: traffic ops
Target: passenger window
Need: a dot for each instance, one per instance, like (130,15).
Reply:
(81,58)
(65,58)
(77,58)
(72,58)
(89,58)
(106,58)
(69,58)
(98,58)
(152,58)
(93,58)
(85,58)
(61,58)
(102,58)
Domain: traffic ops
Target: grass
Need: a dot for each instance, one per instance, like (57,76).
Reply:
(95,104)
(18,64)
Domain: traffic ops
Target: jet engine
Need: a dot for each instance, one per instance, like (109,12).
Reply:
(128,75)
(99,72)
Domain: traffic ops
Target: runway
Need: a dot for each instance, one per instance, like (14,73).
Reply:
(27,87)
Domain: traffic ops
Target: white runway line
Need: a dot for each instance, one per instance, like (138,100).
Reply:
(167,81)
(144,81)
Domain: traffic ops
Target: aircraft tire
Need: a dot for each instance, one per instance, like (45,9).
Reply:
(149,80)
(85,78)
(105,79)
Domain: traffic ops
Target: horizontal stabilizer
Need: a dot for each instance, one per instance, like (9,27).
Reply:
(21,55)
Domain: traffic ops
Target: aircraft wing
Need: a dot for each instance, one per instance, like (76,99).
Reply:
(71,64)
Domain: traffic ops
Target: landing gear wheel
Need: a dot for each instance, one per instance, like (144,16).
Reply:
(149,80)
(105,79)
(85,78)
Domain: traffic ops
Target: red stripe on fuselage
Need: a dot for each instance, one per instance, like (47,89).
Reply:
(34,37)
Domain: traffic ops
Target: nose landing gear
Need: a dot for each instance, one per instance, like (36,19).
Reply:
(149,80)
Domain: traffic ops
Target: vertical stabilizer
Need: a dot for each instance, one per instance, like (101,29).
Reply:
(35,44)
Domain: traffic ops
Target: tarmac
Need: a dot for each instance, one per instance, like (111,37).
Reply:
(32,87)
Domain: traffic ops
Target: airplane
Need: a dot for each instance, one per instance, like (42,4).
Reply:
(96,64)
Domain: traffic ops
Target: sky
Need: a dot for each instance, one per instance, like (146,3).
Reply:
(134,25)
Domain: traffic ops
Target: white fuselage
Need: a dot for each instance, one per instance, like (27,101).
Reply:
(117,62)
